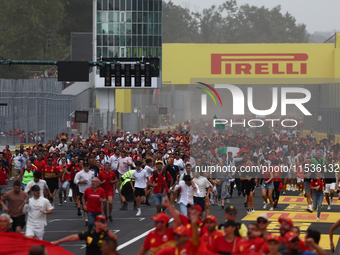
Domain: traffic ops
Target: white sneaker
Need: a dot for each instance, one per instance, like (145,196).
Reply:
(248,211)
(117,192)
(265,205)
(271,208)
(138,213)
(309,209)
(283,193)
(289,188)
(293,188)
(317,219)
(332,201)
(253,210)
(329,207)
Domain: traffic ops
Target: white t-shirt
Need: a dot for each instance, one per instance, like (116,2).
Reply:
(148,170)
(202,184)
(140,178)
(35,218)
(41,183)
(180,164)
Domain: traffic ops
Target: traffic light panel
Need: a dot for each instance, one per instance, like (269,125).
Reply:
(127,76)
(147,68)
(118,75)
(108,80)
(138,75)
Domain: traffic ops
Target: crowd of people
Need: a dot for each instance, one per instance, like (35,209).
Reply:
(173,167)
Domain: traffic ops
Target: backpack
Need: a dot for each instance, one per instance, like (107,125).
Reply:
(155,174)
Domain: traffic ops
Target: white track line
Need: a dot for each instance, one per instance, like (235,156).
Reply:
(136,238)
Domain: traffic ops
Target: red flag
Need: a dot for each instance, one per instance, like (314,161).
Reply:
(18,244)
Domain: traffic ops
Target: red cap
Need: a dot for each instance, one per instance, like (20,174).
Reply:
(280,152)
(289,236)
(183,231)
(274,237)
(100,218)
(211,217)
(289,221)
(161,217)
(198,207)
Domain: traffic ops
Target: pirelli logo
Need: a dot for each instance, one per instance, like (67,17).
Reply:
(266,64)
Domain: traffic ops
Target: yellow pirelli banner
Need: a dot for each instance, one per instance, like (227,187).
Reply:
(250,63)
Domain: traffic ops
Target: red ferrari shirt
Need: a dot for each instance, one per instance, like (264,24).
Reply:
(73,170)
(51,171)
(221,245)
(318,182)
(66,176)
(4,171)
(40,165)
(208,239)
(155,241)
(160,180)
(277,171)
(249,246)
(110,176)
(107,151)
(93,203)
(188,249)
(186,222)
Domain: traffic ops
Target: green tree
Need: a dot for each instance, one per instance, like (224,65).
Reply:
(25,29)
(78,18)
(179,25)
(249,24)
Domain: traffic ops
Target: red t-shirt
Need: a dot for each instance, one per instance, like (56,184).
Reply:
(51,171)
(110,176)
(188,249)
(66,176)
(249,246)
(221,245)
(277,171)
(160,180)
(40,165)
(155,241)
(4,171)
(208,239)
(93,203)
(73,170)
(318,182)
(187,222)
(107,151)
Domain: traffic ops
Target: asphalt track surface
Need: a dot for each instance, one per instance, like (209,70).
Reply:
(131,230)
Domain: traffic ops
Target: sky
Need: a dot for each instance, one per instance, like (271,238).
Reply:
(317,15)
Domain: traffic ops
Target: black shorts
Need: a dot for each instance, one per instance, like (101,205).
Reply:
(139,192)
(200,201)
(18,222)
(73,185)
(127,191)
(52,183)
(80,197)
(249,186)
(117,174)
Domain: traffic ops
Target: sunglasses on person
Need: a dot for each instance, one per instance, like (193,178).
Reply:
(86,165)
(262,221)
(232,212)
(50,160)
(158,221)
(177,236)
